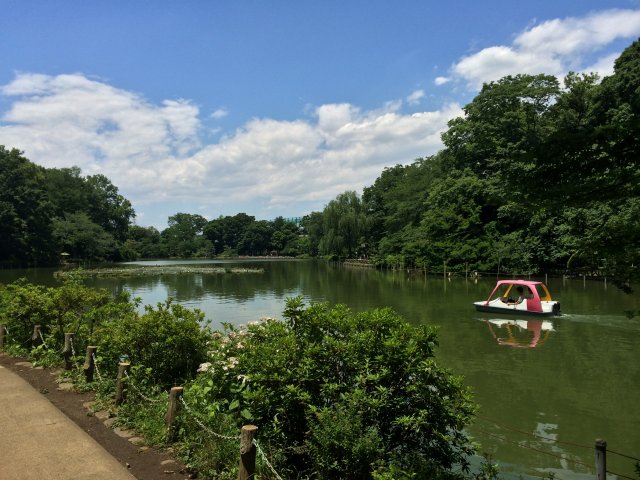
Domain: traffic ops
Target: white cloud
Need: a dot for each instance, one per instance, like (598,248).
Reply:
(553,47)
(153,153)
(220,113)
(603,66)
(441,80)
(415,97)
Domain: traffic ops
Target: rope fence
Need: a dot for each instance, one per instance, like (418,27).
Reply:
(535,435)
(265,459)
(95,363)
(249,446)
(139,391)
(600,448)
(527,447)
(247,455)
(204,427)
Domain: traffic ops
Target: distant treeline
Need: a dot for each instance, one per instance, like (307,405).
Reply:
(536,176)
(48,215)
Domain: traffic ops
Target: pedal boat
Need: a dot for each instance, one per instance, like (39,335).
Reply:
(503,299)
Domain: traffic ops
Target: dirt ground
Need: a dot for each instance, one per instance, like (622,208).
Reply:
(143,462)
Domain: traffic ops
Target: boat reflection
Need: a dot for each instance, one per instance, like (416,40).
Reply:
(519,333)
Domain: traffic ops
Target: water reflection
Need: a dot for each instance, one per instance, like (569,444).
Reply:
(519,333)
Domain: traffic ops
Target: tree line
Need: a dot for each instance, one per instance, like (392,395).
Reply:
(537,176)
(49,212)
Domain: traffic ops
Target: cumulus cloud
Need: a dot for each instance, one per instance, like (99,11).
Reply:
(553,47)
(441,80)
(154,154)
(415,97)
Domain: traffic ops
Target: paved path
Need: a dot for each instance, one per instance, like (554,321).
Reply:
(37,441)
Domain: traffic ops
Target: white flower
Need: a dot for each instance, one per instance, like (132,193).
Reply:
(204,367)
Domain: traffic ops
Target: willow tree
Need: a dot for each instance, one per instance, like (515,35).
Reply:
(344,226)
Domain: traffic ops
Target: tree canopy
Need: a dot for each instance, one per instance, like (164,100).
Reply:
(536,176)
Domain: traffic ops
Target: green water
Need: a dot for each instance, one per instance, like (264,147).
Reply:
(545,391)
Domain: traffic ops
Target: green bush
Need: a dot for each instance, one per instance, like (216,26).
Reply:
(339,394)
(22,306)
(71,307)
(169,340)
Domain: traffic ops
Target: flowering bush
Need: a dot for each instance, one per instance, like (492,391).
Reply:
(338,394)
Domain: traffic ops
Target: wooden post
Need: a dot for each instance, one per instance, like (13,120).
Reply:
(1,337)
(601,459)
(89,365)
(172,411)
(247,452)
(120,392)
(67,351)
(36,337)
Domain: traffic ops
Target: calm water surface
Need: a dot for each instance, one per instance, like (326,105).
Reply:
(546,390)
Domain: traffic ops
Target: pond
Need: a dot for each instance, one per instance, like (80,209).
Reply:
(545,389)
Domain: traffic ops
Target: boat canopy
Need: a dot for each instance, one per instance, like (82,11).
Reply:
(542,294)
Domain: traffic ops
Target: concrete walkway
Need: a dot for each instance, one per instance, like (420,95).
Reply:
(37,441)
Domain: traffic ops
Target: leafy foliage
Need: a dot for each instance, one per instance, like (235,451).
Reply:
(72,307)
(44,212)
(353,391)
(168,340)
(536,176)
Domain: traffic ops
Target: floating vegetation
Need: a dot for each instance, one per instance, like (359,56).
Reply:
(155,270)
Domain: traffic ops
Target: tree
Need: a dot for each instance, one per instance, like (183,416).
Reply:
(183,237)
(227,232)
(285,237)
(25,212)
(344,226)
(504,127)
(256,239)
(67,190)
(312,227)
(78,235)
(395,203)
(108,208)
(144,242)
(452,228)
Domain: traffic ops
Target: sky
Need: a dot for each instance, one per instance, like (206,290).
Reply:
(270,108)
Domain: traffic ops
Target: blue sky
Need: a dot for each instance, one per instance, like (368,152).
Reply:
(269,108)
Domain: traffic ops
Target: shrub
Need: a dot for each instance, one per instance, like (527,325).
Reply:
(340,394)
(169,340)
(71,307)
(23,305)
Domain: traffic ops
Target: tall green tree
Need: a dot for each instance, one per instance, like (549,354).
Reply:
(256,239)
(183,236)
(345,226)
(108,208)
(226,232)
(25,211)
(82,238)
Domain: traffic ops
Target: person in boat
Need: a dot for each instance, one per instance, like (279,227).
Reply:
(520,298)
